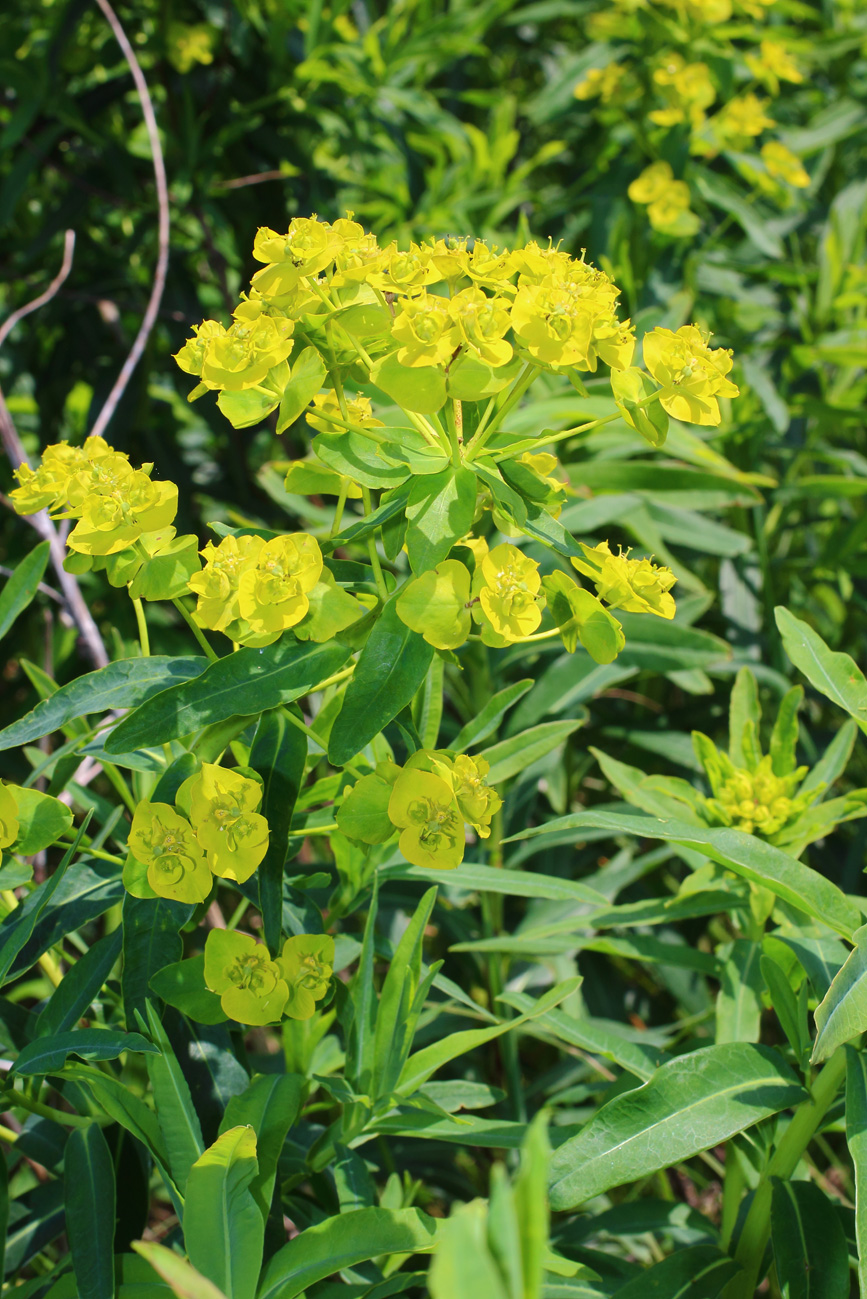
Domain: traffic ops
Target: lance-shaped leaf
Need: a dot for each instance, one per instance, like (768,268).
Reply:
(835,675)
(690,1104)
(223,1227)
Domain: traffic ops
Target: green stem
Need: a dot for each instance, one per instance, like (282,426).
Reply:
(795,1140)
(196,630)
(20,1101)
(595,423)
(371,549)
(338,509)
(493,418)
(312,735)
(144,639)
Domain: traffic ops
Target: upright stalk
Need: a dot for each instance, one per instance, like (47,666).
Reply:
(795,1140)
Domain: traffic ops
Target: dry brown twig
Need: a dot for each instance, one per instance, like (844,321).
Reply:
(150,315)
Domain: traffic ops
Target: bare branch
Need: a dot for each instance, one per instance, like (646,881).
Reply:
(45,526)
(65,267)
(150,315)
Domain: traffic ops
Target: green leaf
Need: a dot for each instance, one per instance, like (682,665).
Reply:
(835,675)
(424,1063)
(360,459)
(41,821)
(151,940)
(856,1137)
(607,1038)
(489,717)
(390,668)
(784,737)
(73,996)
(307,375)
(178,1120)
(418,388)
(49,1054)
(244,684)
(401,1001)
(515,754)
(165,576)
(842,1014)
(182,985)
(439,511)
(630,388)
(739,1003)
(22,586)
(88,1177)
(810,1250)
(248,407)
(744,708)
(278,754)
(223,1228)
(760,862)
(270,1105)
(183,1279)
(123,684)
(464,1266)
(697,1272)
(473,877)
(690,1104)
(793,1020)
(343,1242)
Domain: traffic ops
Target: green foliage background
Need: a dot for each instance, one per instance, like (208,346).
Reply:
(433,119)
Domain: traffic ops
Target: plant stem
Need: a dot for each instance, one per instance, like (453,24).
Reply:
(144,639)
(798,1135)
(492,418)
(371,549)
(196,630)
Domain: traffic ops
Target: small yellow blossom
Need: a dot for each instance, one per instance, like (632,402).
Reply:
(252,988)
(426,331)
(784,165)
(223,810)
(164,842)
(307,964)
(272,595)
(424,808)
(507,583)
(691,374)
(634,585)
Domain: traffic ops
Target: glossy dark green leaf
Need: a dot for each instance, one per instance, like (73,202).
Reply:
(75,994)
(123,684)
(83,893)
(178,1120)
(278,754)
(88,1175)
(270,1105)
(49,1054)
(690,1104)
(390,669)
(182,985)
(342,1242)
(151,940)
(697,1272)
(22,586)
(242,685)
(810,1251)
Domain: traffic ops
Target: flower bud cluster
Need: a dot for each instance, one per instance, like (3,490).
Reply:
(758,801)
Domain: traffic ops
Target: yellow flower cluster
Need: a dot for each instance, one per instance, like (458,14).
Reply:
(537,303)
(218,831)
(254,989)
(254,590)
(115,504)
(430,801)
(683,94)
